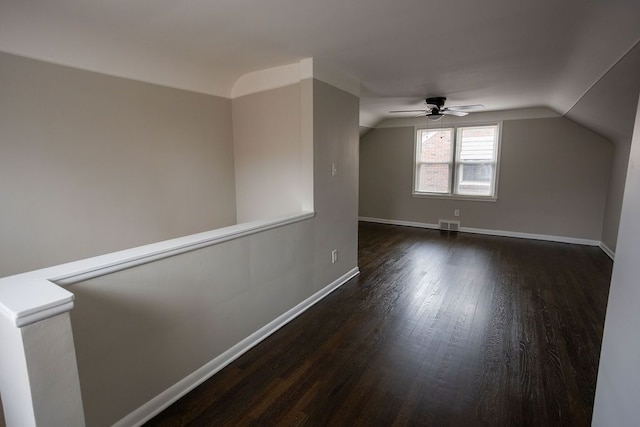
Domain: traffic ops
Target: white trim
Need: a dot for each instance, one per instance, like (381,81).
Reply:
(607,250)
(503,233)
(445,196)
(531,236)
(396,222)
(454,162)
(188,383)
(29,297)
(178,246)
(42,314)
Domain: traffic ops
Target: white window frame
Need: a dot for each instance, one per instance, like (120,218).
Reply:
(455,162)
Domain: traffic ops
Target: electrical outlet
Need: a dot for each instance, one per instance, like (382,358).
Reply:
(456,212)
(334,256)
(334,169)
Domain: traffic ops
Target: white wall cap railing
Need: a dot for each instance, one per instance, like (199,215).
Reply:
(36,295)
(29,298)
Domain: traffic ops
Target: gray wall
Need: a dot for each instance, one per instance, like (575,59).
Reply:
(553,180)
(335,140)
(139,331)
(91,164)
(609,109)
(618,385)
(266,144)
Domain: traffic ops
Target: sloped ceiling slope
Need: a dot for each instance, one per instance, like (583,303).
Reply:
(609,107)
(501,53)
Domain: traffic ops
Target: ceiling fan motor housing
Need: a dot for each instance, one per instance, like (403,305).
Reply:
(438,101)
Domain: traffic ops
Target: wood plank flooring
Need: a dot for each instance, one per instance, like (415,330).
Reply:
(438,330)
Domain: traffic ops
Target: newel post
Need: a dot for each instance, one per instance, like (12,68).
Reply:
(39,380)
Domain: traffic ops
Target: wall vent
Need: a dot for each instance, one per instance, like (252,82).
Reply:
(448,225)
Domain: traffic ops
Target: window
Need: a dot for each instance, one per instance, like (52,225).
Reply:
(457,161)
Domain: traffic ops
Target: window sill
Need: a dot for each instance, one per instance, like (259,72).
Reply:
(453,197)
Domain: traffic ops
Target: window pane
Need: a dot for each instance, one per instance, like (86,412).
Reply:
(474,179)
(477,143)
(475,172)
(434,177)
(435,158)
(436,145)
(476,159)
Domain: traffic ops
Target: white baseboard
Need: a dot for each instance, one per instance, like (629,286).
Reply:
(607,250)
(397,222)
(546,237)
(182,387)
(532,236)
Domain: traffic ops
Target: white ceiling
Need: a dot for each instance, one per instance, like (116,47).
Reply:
(501,53)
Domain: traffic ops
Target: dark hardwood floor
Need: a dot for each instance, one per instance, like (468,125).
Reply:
(438,330)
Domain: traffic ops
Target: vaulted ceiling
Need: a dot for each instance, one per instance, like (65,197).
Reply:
(500,53)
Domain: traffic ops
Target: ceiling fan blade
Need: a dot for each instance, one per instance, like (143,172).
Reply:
(409,111)
(475,107)
(453,113)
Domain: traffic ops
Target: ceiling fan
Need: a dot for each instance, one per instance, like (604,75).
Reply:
(436,110)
